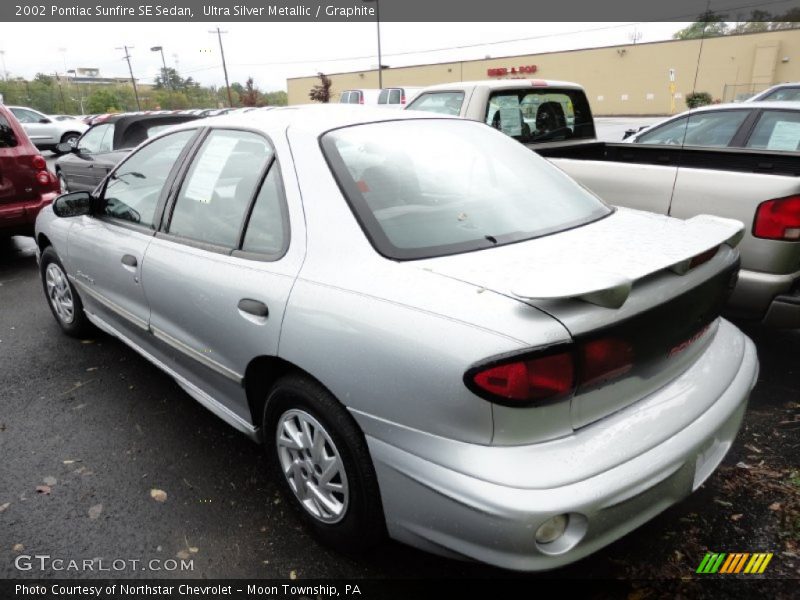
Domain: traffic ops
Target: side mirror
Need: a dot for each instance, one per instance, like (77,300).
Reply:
(73,204)
(65,148)
(44,121)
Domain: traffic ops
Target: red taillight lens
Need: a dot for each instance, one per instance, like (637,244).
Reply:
(703,257)
(605,359)
(39,163)
(535,379)
(43,177)
(403,99)
(778,219)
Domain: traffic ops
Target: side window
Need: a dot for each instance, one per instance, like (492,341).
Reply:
(219,186)
(266,230)
(446,103)
(711,129)
(108,139)
(133,190)
(777,130)
(344,98)
(92,140)
(383,97)
(7,137)
(355,97)
(26,116)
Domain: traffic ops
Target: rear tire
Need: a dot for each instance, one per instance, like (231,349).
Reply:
(320,456)
(62,298)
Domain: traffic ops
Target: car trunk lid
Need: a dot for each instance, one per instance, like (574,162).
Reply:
(625,278)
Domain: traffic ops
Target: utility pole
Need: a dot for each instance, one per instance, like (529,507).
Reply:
(61,92)
(378,23)
(130,70)
(224,66)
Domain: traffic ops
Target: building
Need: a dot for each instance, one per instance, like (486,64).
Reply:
(633,79)
(91,76)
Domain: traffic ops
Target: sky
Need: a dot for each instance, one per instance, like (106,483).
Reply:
(272,52)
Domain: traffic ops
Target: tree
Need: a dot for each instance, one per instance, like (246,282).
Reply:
(104,100)
(696,99)
(322,91)
(170,79)
(708,24)
(279,98)
(250,97)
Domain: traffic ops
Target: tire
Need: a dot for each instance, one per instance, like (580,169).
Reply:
(359,525)
(62,298)
(62,181)
(70,138)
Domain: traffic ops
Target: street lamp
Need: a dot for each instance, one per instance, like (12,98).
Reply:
(163,62)
(378,23)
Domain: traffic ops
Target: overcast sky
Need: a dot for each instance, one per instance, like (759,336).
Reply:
(271,52)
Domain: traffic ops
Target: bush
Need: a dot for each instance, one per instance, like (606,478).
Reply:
(696,99)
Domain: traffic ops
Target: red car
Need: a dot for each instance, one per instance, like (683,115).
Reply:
(26,186)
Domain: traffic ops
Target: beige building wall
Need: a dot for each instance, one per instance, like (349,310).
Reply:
(619,80)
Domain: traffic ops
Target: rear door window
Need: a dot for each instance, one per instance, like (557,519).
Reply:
(776,130)
(344,98)
(219,187)
(26,116)
(355,98)
(7,137)
(267,231)
(444,103)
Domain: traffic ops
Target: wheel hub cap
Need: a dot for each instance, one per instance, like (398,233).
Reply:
(312,466)
(59,293)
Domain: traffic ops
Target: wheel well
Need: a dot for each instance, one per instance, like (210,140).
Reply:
(43,242)
(68,133)
(260,375)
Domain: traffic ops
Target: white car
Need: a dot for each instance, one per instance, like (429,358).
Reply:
(47,132)
(435,333)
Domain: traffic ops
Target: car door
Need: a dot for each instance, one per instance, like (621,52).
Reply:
(218,275)
(106,250)
(39,127)
(78,167)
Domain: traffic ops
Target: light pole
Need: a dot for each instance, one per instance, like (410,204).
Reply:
(163,62)
(224,66)
(378,23)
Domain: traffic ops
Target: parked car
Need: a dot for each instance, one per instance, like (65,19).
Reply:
(434,332)
(85,164)
(532,111)
(359,96)
(26,186)
(739,161)
(397,97)
(45,132)
(783,92)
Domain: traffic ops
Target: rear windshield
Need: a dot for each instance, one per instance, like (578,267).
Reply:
(423,188)
(7,137)
(443,103)
(541,114)
(783,94)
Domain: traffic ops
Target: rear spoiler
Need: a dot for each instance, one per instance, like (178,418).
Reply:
(699,235)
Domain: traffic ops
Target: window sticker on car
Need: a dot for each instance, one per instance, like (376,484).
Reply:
(785,136)
(209,168)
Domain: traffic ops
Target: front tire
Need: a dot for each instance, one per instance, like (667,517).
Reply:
(63,299)
(71,138)
(320,456)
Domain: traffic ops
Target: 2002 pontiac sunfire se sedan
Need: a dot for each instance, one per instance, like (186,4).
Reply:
(435,333)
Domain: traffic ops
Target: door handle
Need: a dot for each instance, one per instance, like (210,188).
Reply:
(253,307)
(129,260)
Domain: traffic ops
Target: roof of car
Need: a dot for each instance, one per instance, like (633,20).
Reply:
(504,84)
(315,118)
(785,104)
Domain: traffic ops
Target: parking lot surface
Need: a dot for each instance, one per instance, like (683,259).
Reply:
(88,429)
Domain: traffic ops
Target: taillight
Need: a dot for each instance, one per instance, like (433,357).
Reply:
(39,162)
(778,219)
(43,177)
(703,257)
(361,99)
(527,380)
(403,99)
(535,378)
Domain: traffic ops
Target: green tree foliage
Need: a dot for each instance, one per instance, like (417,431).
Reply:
(711,24)
(696,99)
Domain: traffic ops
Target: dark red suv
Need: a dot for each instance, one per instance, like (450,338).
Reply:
(26,186)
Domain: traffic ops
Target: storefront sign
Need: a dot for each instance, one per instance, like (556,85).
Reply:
(502,71)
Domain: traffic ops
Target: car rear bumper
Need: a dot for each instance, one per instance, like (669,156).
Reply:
(18,218)
(773,299)
(459,513)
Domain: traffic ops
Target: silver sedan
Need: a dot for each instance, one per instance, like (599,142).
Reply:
(436,334)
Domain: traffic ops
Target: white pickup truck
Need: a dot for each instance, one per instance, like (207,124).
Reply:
(760,188)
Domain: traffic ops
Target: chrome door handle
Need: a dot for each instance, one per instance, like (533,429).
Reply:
(253,307)
(129,260)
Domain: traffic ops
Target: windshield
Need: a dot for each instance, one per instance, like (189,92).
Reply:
(423,188)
